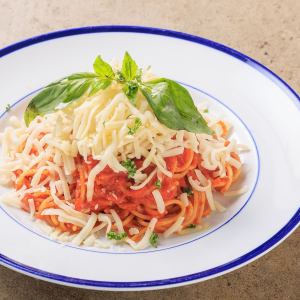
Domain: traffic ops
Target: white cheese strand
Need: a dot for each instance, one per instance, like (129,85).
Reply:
(31,207)
(238,192)
(117,220)
(145,241)
(184,198)
(133,231)
(159,201)
(64,216)
(175,227)
(105,218)
(143,184)
(207,189)
(96,170)
(63,179)
(64,206)
(85,231)
(173,152)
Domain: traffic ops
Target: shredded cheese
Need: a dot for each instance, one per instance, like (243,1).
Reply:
(117,220)
(144,242)
(31,207)
(133,231)
(184,198)
(63,216)
(159,201)
(105,218)
(143,184)
(85,231)
(173,152)
(238,192)
(175,227)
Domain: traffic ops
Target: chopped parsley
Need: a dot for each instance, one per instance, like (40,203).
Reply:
(137,124)
(154,239)
(192,226)
(120,77)
(158,183)
(187,190)
(112,235)
(7,107)
(205,110)
(130,166)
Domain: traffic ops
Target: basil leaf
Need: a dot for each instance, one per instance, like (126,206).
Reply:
(45,101)
(75,76)
(82,75)
(139,74)
(76,89)
(173,106)
(130,89)
(129,67)
(65,90)
(103,69)
(98,85)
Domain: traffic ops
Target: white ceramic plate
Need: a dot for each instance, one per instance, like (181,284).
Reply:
(263,109)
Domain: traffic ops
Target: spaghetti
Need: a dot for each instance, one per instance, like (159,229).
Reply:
(86,173)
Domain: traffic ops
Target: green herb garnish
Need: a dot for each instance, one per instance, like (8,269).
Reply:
(171,103)
(103,69)
(191,226)
(112,235)
(173,106)
(130,166)
(7,107)
(129,67)
(130,89)
(154,240)
(187,190)
(158,183)
(137,124)
(205,110)
(119,77)
(64,91)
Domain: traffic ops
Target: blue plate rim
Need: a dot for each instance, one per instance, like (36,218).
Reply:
(246,258)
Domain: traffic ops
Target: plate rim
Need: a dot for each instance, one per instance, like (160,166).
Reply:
(262,249)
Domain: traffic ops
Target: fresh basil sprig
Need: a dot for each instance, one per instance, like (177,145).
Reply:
(173,106)
(103,69)
(129,73)
(65,91)
(171,102)
(129,67)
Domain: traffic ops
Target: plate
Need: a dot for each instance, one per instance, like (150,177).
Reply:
(263,109)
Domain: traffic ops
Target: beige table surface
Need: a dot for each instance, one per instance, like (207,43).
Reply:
(268,31)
